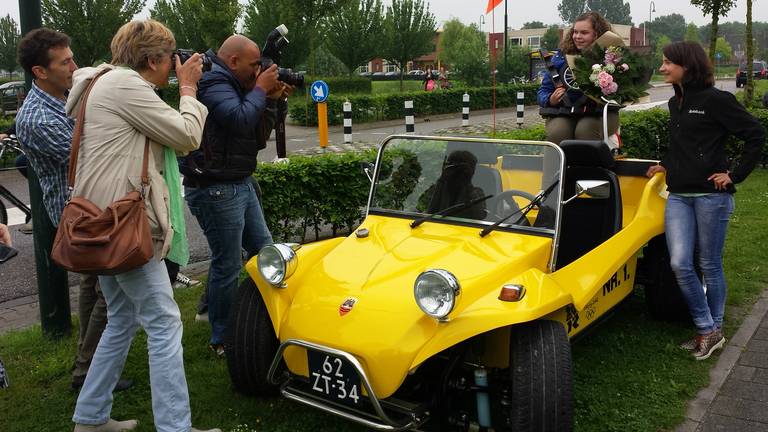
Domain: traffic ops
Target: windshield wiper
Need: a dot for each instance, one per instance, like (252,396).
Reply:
(538,199)
(449,210)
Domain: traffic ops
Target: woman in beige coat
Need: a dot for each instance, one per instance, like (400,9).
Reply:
(123,110)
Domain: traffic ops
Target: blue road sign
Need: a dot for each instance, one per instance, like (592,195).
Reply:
(319,91)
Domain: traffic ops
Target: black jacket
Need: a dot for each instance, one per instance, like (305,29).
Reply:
(238,125)
(700,121)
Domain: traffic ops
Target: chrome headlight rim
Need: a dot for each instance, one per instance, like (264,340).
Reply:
(286,264)
(450,281)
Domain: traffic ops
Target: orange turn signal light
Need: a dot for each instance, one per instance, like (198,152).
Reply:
(512,293)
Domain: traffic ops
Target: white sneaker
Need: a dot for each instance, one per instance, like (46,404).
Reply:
(202,317)
(184,281)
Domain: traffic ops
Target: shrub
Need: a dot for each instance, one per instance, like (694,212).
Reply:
(339,85)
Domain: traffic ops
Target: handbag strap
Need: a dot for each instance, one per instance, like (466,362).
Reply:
(77,135)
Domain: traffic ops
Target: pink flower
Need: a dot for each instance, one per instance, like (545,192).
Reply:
(624,67)
(610,57)
(610,88)
(605,79)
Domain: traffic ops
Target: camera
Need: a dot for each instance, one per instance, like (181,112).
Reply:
(185,54)
(272,54)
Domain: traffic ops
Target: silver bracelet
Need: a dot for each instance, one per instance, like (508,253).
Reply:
(194,89)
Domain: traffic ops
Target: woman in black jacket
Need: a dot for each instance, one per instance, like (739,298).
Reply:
(701,182)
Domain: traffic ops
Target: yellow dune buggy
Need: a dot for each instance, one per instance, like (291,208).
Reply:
(452,306)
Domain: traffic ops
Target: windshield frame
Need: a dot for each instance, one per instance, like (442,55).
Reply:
(538,231)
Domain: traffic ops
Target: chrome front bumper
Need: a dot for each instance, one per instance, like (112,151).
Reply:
(378,420)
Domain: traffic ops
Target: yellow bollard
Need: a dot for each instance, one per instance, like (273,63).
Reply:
(322,123)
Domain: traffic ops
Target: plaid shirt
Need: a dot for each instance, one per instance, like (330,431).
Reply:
(45,134)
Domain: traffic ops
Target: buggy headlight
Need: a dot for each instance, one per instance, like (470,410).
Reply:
(276,263)
(435,292)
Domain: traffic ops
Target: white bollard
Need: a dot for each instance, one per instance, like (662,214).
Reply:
(347,122)
(520,108)
(465,110)
(409,126)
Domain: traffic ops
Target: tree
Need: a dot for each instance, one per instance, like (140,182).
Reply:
(551,38)
(716,8)
(198,24)
(360,22)
(409,32)
(91,24)
(305,19)
(615,11)
(749,89)
(692,33)
(723,49)
(659,51)
(517,65)
(9,42)
(672,25)
(466,50)
(533,25)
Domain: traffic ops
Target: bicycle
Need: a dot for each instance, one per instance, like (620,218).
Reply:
(10,145)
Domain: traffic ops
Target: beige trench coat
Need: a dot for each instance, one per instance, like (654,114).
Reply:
(121,111)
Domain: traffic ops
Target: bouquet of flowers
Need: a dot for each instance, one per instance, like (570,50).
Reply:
(613,73)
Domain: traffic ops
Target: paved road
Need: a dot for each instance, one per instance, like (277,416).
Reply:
(18,279)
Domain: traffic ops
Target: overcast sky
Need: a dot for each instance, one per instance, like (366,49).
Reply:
(520,11)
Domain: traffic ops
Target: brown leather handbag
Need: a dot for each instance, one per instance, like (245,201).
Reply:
(104,242)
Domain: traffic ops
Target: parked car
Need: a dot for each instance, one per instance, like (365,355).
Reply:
(378,74)
(12,95)
(416,72)
(452,305)
(365,74)
(392,74)
(759,69)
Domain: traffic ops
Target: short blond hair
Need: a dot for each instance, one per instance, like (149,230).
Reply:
(138,41)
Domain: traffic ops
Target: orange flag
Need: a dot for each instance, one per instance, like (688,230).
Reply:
(492,4)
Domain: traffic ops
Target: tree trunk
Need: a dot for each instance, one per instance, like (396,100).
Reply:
(749,88)
(713,32)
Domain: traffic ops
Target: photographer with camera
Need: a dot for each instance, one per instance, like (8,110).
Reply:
(568,112)
(241,95)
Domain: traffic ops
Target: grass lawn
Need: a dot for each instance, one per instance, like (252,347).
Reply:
(629,375)
(385,87)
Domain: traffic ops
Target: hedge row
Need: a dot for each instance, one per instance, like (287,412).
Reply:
(308,193)
(339,85)
(391,106)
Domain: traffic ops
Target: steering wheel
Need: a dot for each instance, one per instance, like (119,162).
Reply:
(504,203)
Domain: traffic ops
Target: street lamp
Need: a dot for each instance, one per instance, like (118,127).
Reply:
(651,9)
(482,22)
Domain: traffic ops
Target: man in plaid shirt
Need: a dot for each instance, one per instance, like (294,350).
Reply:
(45,134)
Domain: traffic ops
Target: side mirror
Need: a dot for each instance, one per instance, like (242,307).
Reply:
(367,168)
(595,189)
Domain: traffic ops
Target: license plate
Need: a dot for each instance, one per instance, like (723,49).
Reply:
(333,377)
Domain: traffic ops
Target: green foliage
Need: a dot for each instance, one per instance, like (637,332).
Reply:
(632,83)
(466,50)
(692,33)
(723,48)
(198,24)
(339,85)
(518,64)
(360,22)
(645,134)
(9,42)
(716,8)
(409,32)
(390,106)
(658,53)
(551,38)
(533,25)
(615,11)
(328,64)
(672,26)
(91,24)
(312,192)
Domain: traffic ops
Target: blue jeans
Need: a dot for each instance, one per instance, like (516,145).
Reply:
(140,297)
(231,218)
(696,226)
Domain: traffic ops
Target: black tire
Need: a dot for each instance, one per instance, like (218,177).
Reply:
(3,214)
(540,382)
(662,294)
(251,342)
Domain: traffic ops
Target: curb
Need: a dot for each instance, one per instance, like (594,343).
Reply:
(698,407)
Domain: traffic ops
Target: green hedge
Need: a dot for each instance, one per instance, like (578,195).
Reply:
(309,193)
(391,106)
(339,85)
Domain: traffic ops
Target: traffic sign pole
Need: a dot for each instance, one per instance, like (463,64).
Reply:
(322,123)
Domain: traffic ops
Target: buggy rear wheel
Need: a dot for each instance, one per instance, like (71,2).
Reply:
(251,342)
(663,298)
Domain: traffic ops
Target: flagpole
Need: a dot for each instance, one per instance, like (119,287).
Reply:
(494,67)
(505,36)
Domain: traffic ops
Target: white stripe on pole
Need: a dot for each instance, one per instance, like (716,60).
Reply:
(409,120)
(347,122)
(465,110)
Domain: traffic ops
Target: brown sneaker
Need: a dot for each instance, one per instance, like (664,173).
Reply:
(707,344)
(689,345)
